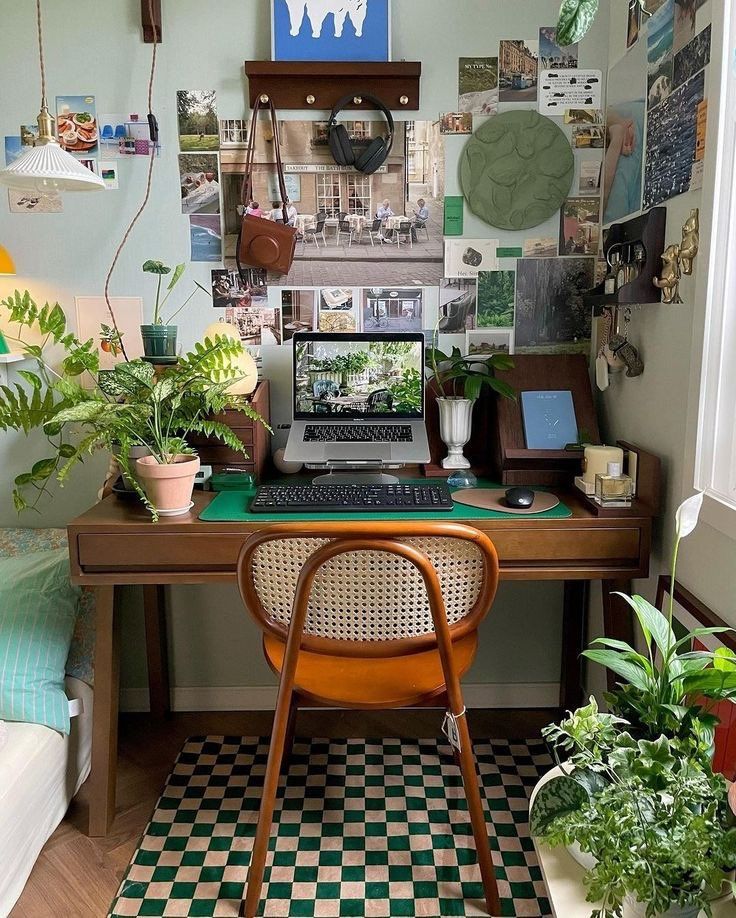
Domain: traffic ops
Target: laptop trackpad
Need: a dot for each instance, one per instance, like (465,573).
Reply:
(358,451)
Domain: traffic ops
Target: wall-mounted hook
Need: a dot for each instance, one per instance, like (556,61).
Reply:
(264,99)
(404,100)
(311,99)
(358,100)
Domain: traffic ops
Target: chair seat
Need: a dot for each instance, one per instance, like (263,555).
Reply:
(371,682)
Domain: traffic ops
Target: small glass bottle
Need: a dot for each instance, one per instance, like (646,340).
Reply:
(609,282)
(640,257)
(614,489)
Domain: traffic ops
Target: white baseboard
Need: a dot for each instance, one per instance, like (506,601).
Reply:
(263,697)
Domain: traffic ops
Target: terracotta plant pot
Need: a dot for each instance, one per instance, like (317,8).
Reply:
(169,486)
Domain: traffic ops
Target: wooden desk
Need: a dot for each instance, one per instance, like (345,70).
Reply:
(115,543)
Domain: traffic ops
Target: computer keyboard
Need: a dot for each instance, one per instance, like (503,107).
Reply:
(357,433)
(307,498)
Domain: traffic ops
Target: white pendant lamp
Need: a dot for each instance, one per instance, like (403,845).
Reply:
(46,167)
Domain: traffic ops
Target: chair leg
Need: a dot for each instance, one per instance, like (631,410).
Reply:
(290,730)
(254,884)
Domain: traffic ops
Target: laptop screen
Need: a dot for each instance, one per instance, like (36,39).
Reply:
(354,376)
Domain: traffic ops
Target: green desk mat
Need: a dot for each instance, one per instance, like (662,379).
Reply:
(232,507)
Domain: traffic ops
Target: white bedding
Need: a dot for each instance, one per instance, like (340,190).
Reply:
(40,771)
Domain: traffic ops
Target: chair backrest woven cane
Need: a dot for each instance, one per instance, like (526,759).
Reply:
(369,596)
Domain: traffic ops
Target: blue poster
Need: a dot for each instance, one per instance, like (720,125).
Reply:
(331,30)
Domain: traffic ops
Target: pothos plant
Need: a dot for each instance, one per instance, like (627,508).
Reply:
(81,409)
(636,787)
(456,375)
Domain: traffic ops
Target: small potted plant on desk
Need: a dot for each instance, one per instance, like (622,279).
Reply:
(458,381)
(635,798)
(125,407)
(159,338)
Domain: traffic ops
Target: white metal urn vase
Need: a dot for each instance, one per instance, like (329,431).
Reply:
(456,416)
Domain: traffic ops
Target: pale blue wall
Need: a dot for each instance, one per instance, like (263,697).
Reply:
(96,48)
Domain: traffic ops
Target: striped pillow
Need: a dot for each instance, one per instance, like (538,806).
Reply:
(38,606)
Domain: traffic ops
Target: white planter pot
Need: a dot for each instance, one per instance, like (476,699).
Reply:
(455,425)
(635,909)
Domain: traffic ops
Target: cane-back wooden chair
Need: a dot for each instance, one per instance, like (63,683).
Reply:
(368,615)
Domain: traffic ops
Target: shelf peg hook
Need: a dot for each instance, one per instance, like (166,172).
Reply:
(404,100)
(311,99)
(264,99)
(357,100)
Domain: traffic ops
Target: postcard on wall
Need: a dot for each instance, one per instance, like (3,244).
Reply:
(482,343)
(298,310)
(94,321)
(233,132)
(454,209)
(205,236)
(76,125)
(199,128)
(622,176)
(257,325)
(554,55)
(478,85)
(588,137)
(518,68)
(701,124)
(392,310)
(109,175)
(331,30)
(467,257)
(200,183)
(659,54)
(561,89)
(456,306)
(338,311)
(124,135)
(543,247)
(580,230)
(672,142)
(685,22)
(456,123)
(589,181)
(692,58)
(582,116)
(496,294)
(551,316)
(28,135)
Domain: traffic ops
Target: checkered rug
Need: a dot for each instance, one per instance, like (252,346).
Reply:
(362,828)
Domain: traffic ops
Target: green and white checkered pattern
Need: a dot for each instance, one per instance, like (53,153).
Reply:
(362,828)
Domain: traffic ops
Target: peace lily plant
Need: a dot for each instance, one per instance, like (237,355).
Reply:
(81,409)
(636,791)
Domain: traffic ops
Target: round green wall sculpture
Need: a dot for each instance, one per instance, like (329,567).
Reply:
(516,170)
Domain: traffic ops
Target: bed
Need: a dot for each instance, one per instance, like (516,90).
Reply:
(41,769)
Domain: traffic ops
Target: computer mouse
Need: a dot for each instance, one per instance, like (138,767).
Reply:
(520,498)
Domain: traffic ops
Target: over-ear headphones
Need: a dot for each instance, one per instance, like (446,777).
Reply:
(341,147)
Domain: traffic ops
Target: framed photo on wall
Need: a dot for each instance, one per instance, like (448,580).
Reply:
(331,30)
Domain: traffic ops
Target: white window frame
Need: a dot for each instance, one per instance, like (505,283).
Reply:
(715,456)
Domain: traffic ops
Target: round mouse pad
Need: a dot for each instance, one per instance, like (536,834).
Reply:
(516,170)
(495,499)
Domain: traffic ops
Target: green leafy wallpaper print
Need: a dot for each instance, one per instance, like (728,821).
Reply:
(576,17)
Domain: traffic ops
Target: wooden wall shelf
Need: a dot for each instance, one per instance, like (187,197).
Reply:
(648,229)
(291,84)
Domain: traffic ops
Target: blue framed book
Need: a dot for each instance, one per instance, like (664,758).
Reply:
(549,419)
(331,30)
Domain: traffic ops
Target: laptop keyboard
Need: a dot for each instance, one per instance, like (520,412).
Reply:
(358,433)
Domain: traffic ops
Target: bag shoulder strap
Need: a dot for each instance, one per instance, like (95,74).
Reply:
(246,192)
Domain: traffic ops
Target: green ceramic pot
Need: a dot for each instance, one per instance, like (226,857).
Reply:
(159,341)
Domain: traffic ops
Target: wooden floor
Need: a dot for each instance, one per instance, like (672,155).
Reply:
(77,877)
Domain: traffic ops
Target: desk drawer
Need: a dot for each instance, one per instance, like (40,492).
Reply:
(567,546)
(156,552)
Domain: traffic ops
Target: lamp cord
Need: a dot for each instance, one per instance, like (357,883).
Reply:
(147,195)
(40,53)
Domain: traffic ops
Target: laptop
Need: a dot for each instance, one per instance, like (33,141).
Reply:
(358,400)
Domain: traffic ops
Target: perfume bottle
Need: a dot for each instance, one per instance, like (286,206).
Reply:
(614,489)
(609,281)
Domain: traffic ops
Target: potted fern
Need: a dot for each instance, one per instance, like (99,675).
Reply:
(126,407)
(159,338)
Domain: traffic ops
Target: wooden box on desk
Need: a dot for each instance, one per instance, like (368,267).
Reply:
(513,463)
(253,435)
